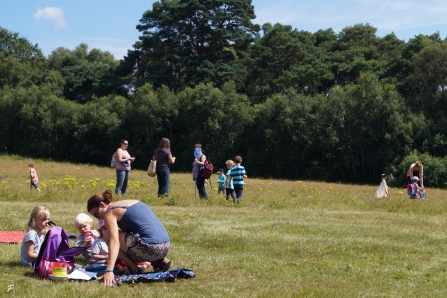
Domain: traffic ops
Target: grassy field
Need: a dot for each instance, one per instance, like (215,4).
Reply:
(286,239)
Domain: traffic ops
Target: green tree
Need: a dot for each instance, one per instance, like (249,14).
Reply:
(430,96)
(85,73)
(375,131)
(284,58)
(21,62)
(152,117)
(404,71)
(187,42)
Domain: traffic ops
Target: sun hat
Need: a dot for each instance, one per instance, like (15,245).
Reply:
(383,175)
(220,170)
(415,178)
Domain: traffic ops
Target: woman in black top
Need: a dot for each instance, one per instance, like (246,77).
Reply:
(163,156)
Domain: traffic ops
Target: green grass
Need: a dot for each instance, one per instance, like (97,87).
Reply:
(286,239)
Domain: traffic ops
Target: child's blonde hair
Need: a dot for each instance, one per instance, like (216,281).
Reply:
(39,212)
(82,219)
(229,162)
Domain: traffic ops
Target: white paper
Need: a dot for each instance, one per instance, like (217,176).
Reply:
(82,275)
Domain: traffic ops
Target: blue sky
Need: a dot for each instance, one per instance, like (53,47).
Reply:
(109,25)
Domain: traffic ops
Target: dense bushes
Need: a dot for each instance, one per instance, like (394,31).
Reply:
(352,135)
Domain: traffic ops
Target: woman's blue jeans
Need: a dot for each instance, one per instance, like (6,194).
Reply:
(163,181)
(122,177)
(200,183)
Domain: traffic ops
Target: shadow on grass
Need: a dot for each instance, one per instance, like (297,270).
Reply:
(13,264)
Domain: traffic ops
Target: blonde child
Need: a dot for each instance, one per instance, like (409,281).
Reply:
(229,188)
(34,180)
(83,224)
(33,239)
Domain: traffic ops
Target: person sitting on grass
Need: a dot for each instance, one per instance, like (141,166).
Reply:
(35,234)
(100,250)
(83,224)
(134,233)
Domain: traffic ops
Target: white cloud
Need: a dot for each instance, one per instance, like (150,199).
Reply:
(54,14)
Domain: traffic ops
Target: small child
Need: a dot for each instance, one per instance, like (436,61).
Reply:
(221,181)
(33,239)
(382,190)
(34,180)
(418,191)
(237,175)
(100,250)
(83,224)
(229,188)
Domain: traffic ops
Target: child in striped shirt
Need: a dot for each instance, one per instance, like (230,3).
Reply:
(237,175)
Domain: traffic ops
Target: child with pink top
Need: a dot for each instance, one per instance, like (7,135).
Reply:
(34,180)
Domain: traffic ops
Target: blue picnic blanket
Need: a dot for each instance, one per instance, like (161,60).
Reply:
(170,275)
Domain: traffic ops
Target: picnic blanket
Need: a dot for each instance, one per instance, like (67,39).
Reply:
(170,275)
(11,236)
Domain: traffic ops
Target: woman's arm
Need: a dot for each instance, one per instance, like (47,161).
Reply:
(422,176)
(201,162)
(411,170)
(171,159)
(111,223)
(119,155)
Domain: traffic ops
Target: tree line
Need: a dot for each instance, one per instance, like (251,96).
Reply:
(326,106)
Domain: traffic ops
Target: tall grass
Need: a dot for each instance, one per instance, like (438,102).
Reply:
(286,239)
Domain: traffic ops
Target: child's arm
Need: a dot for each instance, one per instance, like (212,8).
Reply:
(96,251)
(99,257)
(30,254)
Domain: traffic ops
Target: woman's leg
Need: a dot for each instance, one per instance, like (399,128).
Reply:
(200,181)
(166,182)
(163,182)
(126,180)
(122,254)
(160,182)
(120,174)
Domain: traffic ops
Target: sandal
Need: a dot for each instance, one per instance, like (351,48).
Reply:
(129,272)
(161,265)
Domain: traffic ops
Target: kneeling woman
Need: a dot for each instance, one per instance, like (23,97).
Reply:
(142,237)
